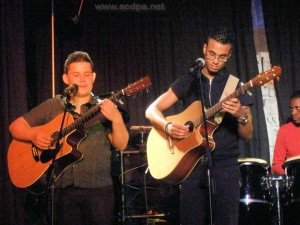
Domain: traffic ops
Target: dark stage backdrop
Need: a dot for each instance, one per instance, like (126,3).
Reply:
(125,45)
(283,34)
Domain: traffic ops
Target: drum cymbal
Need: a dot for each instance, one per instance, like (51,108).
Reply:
(143,128)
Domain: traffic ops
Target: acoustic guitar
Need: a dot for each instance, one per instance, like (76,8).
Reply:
(28,165)
(172,159)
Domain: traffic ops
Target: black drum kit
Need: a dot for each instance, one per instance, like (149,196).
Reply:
(145,200)
(267,199)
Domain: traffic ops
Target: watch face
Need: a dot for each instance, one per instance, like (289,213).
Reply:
(244,120)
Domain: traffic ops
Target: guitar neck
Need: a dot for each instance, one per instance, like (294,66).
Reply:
(217,107)
(86,117)
(132,89)
(240,91)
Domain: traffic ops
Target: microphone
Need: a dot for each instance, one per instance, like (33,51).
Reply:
(199,63)
(73,88)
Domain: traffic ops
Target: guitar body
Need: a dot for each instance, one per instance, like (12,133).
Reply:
(173,159)
(28,165)
(26,172)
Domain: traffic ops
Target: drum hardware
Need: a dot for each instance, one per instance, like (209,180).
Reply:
(276,186)
(278,205)
(139,128)
(124,214)
(134,191)
(139,141)
(130,152)
(269,199)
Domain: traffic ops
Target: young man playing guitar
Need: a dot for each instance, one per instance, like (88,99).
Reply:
(236,123)
(84,192)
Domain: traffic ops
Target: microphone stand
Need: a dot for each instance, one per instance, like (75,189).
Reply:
(208,151)
(51,176)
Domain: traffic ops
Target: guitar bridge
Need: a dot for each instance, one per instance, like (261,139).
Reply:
(35,153)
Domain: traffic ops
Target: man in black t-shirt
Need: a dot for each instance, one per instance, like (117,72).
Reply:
(236,123)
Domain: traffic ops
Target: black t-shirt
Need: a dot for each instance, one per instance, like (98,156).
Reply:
(187,88)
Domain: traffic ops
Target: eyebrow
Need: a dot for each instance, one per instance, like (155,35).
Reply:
(211,51)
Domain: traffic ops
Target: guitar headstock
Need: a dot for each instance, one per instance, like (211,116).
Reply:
(267,76)
(138,86)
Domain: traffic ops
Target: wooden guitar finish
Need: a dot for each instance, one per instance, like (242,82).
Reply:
(28,165)
(173,159)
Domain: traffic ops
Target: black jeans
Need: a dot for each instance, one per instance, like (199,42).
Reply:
(78,206)
(194,196)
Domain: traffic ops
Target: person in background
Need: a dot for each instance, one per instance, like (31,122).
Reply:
(287,142)
(84,191)
(236,123)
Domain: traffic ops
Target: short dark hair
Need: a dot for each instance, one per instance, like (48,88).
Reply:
(296,94)
(223,35)
(78,56)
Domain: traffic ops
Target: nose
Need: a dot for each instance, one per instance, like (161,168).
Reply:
(216,60)
(82,78)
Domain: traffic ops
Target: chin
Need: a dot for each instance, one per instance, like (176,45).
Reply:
(214,71)
(297,123)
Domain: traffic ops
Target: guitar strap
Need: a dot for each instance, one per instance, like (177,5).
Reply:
(230,87)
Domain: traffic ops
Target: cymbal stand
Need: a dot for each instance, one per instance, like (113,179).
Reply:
(142,132)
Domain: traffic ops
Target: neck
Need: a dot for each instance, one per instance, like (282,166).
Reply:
(206,73)
(79,101)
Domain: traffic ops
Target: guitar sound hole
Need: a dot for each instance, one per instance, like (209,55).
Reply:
(191,125)
(47,155)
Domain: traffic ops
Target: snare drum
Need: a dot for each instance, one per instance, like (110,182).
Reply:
(254,205)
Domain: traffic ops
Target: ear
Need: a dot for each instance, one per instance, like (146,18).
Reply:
(94,77)
(65,79)
(229,54)
(204,48)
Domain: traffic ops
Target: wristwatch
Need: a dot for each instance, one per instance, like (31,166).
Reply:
(243,121)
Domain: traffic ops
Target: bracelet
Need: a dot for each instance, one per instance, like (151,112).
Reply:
(166,127)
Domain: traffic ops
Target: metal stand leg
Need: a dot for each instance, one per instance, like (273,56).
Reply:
(279,211)
(123,210)
(276,202)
